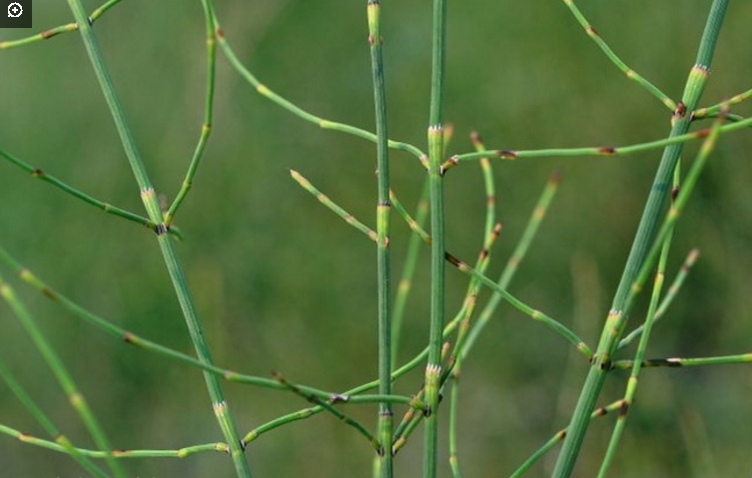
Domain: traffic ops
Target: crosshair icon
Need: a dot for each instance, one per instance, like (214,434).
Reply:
(15,10)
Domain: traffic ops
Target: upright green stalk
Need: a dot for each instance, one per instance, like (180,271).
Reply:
(149,198)
(383,466)
(435,172)
(622,303)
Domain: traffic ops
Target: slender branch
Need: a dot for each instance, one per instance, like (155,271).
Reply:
(52,430)
(211,57)
(69,27)
(108,208)
(630,73)
(672,142)
(671,293)
(118,454)
(408,271)
(263,90)
(75,397)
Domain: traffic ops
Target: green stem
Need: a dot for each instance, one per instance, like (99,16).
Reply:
(118,454)
(408,272)
(621,304)
(630,73)
(108,208)
(75,398)
(47,34)
(211,56)
(650,318)
(671,293)
(263,90)
(384,466)
(672,141)
(60,440)
(435,173)
(531,229)
(149,198)
(715,109)
(687,362)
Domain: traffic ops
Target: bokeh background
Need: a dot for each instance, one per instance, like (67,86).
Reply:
(283,284)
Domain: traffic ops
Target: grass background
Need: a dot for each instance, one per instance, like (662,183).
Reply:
(282,284)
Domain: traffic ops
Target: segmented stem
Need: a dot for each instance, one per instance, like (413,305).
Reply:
(149,198)
(630,73)
(616,320)
(198,154)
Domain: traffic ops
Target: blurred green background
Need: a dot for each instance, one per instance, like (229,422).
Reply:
(283,284)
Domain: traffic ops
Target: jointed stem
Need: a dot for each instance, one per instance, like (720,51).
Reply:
(108,208)
(211,56)
(616,321)
(435,173)
(151,203)
(672,141)
(47,34)
(384,467)
(632,382)
(263,90)
(75,398)
(630,73)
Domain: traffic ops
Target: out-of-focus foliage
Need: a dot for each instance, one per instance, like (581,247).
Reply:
(283,284)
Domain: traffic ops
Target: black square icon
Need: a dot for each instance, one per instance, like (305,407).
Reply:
(15,13)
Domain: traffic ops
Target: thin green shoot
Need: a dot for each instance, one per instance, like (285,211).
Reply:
(52,430)
(622,302)
(630,73)
(712,111)
(671,294)
(263,90)
(219,405)
(559,436)
(115,454)
(594,151)
(632,382)
(49,33)
(75,398)
(211,61)
(408,271)
(108,208)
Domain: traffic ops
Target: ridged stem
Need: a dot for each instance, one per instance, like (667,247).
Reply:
(383,465)
(621,304)
(435,173)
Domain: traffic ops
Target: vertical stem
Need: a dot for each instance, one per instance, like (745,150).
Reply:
(383,208)
(622,303)
(435,152)
(149,198)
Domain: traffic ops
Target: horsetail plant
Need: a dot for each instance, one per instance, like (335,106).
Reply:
(451,336)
